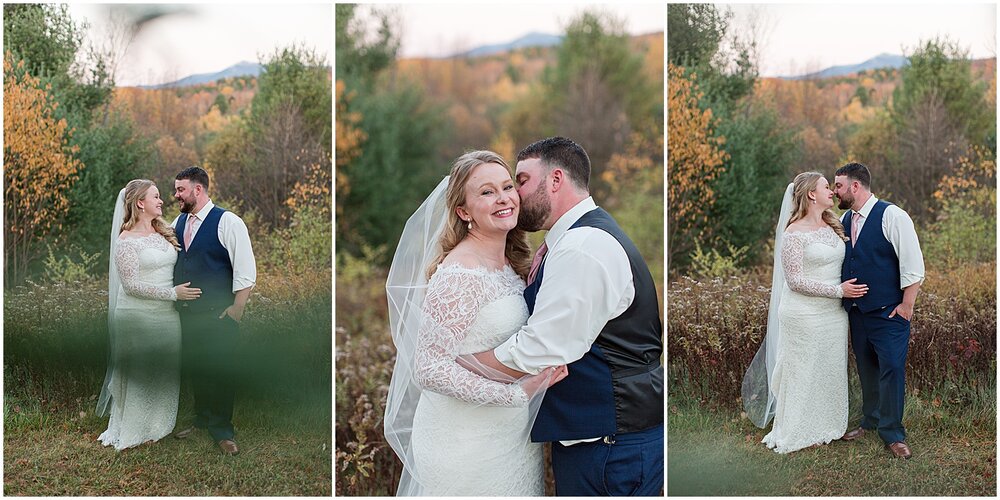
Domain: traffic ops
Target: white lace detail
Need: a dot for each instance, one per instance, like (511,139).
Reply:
(470,434)
(132,255)
(803,261)
(146,382)
(810,373)
(455,298)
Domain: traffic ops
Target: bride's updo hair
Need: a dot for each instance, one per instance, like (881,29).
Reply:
(805,183)
(455,230)
(135,191)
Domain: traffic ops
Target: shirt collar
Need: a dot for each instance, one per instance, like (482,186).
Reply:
(867,208)
(203,213)
(568,219)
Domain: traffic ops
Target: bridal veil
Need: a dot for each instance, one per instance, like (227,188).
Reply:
(758,399)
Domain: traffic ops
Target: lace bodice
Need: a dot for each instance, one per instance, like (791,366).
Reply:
(467,311)
(812,262)
(145,268)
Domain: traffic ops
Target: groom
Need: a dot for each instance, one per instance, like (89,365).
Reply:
(593,307)
(216,254)
(884,254)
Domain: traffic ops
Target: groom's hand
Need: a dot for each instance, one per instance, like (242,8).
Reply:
(234,311)
(905,310)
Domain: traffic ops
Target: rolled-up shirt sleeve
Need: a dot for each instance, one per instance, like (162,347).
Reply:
(587,281)
(899,230)
(235,237)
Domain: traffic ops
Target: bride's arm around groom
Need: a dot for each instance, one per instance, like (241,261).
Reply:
(593,306)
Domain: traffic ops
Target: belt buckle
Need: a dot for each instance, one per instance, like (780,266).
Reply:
(609,440)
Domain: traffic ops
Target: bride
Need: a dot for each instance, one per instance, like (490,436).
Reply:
(142,383)
(799,375)
(455,287)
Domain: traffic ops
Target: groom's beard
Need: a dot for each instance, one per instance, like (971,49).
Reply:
(535,209)
(844,203)
(186,207)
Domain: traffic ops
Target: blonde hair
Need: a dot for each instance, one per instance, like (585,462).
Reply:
(455,230)
(803,184)
(135,191)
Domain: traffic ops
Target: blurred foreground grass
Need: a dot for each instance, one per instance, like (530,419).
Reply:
(55,348)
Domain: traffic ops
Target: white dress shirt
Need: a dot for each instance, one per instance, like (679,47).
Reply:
(587,282)
(235,238)
(897,227)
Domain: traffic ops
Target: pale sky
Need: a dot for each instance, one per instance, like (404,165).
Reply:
(803,38)
(434,30)
(205,38)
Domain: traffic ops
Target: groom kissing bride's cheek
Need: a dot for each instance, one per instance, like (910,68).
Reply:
(499,352)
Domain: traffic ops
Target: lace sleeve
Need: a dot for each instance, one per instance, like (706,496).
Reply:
(127,261)
(451,306)
(792,253)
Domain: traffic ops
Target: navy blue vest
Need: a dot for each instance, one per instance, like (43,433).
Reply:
(873,261)
(617,386)
(206,265)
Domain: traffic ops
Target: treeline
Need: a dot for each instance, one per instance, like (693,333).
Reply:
(402,122)
(927,131)
(72,139)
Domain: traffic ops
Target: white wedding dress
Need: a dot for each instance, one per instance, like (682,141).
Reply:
(470,434)
(145,384)
(810,374)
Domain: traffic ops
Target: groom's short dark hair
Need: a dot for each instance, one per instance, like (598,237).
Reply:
(857,172)
(562,152)
(196,174)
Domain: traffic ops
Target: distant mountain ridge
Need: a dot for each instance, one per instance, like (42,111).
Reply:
(530,40)
(242,68)
(880,61)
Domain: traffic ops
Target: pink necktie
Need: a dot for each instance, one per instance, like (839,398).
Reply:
(189,231)
(854,228)
(537,262)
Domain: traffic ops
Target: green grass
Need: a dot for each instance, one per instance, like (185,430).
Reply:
(55,345)
(283,451)
(716,452)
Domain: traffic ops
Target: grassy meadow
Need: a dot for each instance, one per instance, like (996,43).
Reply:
(715,326)
(55,348)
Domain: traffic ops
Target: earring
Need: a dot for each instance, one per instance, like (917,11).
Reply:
(470,224)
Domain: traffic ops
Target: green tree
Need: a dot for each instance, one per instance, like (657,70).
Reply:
(361,56)
(400,160)
(940,67)
(694,32)
(749,190)
(398,166)
(222,103)
(298,77)
(597,92)
(114,154)
(50,42)
(726,71)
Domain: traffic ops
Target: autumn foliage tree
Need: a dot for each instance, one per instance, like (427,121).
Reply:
(39,167)
(694,159)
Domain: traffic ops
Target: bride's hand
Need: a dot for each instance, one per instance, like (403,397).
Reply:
(545,378)
(852,291)
(185,292)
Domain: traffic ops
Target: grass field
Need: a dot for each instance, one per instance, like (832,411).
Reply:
(55,342)
(718,453)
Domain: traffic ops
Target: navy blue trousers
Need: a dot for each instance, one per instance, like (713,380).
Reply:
(880,345)
(630,466)
(208,346)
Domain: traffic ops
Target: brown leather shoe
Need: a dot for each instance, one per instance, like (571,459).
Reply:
(854,434)
(185,433)
(228,447)
(899,449)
